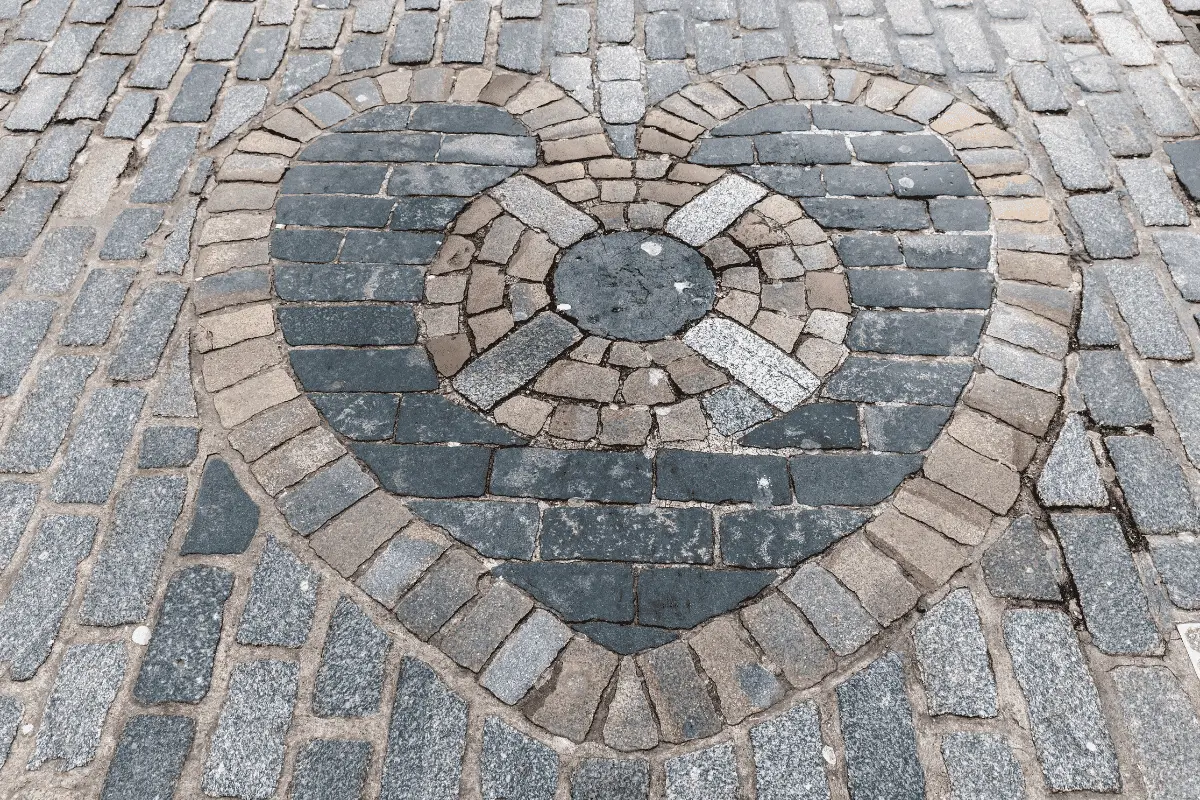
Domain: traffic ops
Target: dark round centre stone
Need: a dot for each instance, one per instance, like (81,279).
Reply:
(640,287)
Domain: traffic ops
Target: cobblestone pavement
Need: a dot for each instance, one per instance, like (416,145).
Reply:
(689,399)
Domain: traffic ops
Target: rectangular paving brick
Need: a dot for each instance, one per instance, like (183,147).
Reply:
(1163,726)
(955,667)
(1073,745)
(1155,488)
(149,757)
(426,737)
(145,331)
(679,692)
(17,500)
(402,562)
(350,678)
(982,765)
(444,589)
(565,474)
(526,654)
(42,422)
(788,757)
(606,533)
(245,756)
(877,726)
(323,496)
(471,639)
(98,446)
(1152,321)
(90,93)
(85,687)
(282,599)
(331,769)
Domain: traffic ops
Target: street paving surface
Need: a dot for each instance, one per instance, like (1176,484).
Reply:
(614,400)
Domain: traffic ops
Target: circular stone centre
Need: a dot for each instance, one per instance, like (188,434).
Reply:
(635,286)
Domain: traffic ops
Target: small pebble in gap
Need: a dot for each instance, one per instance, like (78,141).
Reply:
(141,635)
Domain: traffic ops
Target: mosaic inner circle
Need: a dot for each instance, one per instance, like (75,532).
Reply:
(633,286)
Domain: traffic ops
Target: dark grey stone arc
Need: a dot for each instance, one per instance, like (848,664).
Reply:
(633,286)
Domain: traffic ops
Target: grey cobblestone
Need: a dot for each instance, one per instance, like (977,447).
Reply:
(351,676)
(41,424)
(954,659)
(1152,322)
(55,153)
(1153,483)
(145,332)
(877,726)
(513,765)
(331,769)
(149,758)
(104,431)
(84,689)
(426,738)
(23,219)
(17,500)
(283,596)
(981,765)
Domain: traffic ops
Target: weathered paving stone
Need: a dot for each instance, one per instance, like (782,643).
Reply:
(1071,476)
(401,563)
(686,475)
(351,676)
(849,478)
(936,333)
(145,332)
(833,610)
(680,693)
(331,769)
(683,597)
(735,408)
(126,239)
(441,592)
(225,518)
(10,720)
(811,426)
(434,419)
(302,71)
(495,530)
(877,726)
(84,689)
(37,104)
(263,54)
(764,538)
(981,765)
(904,429)
(1073,745)
(710,773)
(161,57)
(1154,486)
(123,578)
(577,592)
(160,174)
(611,779)
(198,93)
(53,158)
(131,115)
(179,660)
(1163,726)
(954,659)
(245,756)
(42,422)
(514,765)
(941,289)
(17,501)
(168,446)
(472,638)
(428,470)
(282,599)
(764,369)
(23,323)
(787,756)
(874,379)
(608,533)
(1114,602)
(149,757)
(98,445)
(426,738)
(60,259)
(324,495)
(359,415)
(16,60)
(525,656)
(1018,565)
(1110,389)
(571,474)
(1178,562)
(1152,321)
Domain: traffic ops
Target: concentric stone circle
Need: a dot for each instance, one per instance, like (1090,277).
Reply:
(930,517)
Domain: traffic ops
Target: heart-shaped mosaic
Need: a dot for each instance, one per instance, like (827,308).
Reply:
(639,387)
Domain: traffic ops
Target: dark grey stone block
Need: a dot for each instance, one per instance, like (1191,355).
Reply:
(333,179)
(959,214)
(198,93)
(735,150)
(400,369)
(348,325)
(177,667)
(1111,389)
(363,416)
(665,36)
(346,282)
(947,251)
(571,474)
(683,597)
(931,180)
(350,679)
(225,518)
(772,539)
(850,479)
(858,118)
(56,152)
(774,118)
(425,213)
(324,495)
(904,429)
(1107,232)
(1018,565)
(611,533)
(333,211)
(426,738)
(914,333)
(873,379)
(126,239)
(801,148)
(868,250)
(868,214)
(149,758)
(431,418)
(131,115)
(888,149)
(721,478)
(1178,562)
(860,180)
(1185,158)
(877,726)
(493,529)
(413,43)
(23,323)
(372,146)
(576,592)
(811,426)
(519,46)
(91,90)
(428,470)
(390,247)
(625,639)
(1155,488)
(331,769)
(910,289)
(307,246)
(791,181)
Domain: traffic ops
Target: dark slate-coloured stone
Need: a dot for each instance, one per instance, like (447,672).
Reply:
(889,149)
(1018,565)
(618,290)
(333,211)
(858,118)
(345,282)
(225,518)
(198,93)
(610,779)
(737,150)
(1185,158)
(1114,603)
(331,769)
(455,180)
(425,213)
(177,667)
(426,738)
(317,247)
(775,118)
(366,417)
(849,479)
(868,250)
(959,214)
(373,146)
(1154,485)
(877,726)
(791,181)
(350,679)
(451,118)
(489,148)
(931,180)
(493,529)
(333,179)
(904,429)
(428,470)
(947,251)
(1110,389)
(149,758)
(549,474)
(283,596)
(911,289)
(859,180)
(432,419)
(399,369)
(348,325)
(390,247)
(872,379)
(608,533)
(916,333)
(802,148)
(721,478)
(868,213)
(576,592)
(625,639)
(811,426)
(770,539)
